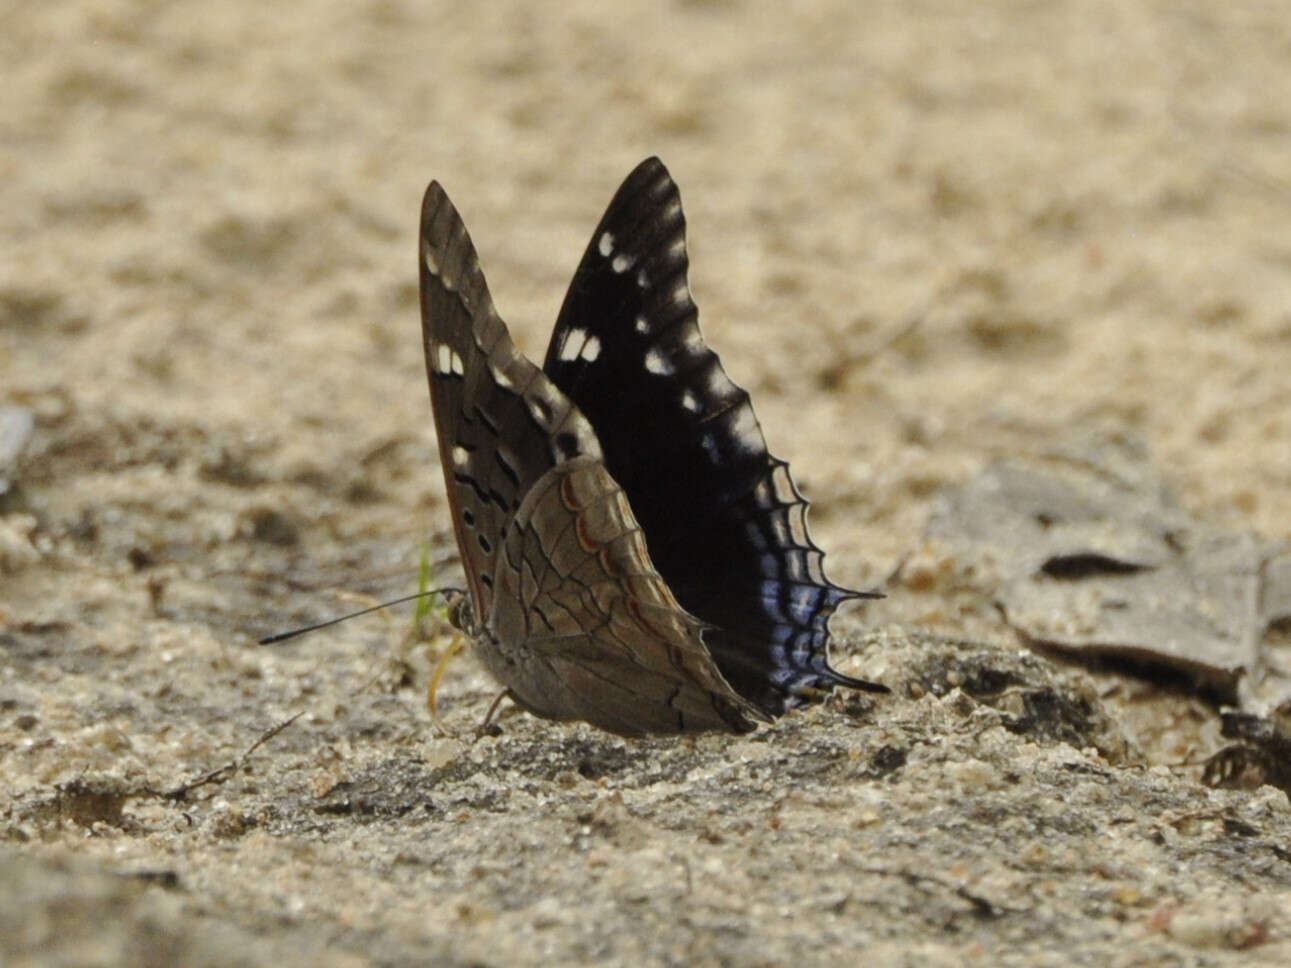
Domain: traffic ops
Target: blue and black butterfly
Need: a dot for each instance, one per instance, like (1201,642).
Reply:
(634,556)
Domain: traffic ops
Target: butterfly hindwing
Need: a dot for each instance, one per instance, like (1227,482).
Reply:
(725,524)
(603,635)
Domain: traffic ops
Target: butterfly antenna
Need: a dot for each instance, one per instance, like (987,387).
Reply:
(284,636)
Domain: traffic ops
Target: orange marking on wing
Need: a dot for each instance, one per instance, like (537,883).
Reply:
(569,498)
(585,540)
(608,564)
(567,495)
(641,619)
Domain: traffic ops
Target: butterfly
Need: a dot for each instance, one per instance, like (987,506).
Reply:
(634,556)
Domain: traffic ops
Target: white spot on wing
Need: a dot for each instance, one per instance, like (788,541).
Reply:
(745,430)
(444,358)
(501,379)
(541,409)
(719,385)
(657,363)
(456,365)
(689,401)
(606,244)
(642,325)
(432,260)
(782,484)
(591,350)
(621,264)
(642,279)
(460,457)
(780,530)
(572,345)
(798,525)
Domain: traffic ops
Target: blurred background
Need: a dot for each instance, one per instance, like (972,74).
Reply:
(924,235)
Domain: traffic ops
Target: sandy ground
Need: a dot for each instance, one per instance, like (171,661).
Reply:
(924,235)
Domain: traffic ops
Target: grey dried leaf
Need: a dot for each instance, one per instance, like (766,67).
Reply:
(1085,551)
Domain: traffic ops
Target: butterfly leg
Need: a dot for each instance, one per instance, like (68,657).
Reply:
(454,647)
(487,727)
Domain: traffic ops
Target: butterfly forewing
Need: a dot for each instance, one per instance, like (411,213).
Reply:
(500,423)
(726,526)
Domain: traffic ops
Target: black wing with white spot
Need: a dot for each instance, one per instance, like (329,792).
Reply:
(501,424)
(725,525)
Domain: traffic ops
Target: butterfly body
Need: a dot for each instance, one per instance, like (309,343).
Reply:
(634,556)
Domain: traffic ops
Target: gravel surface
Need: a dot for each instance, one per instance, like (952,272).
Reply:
(924,236)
